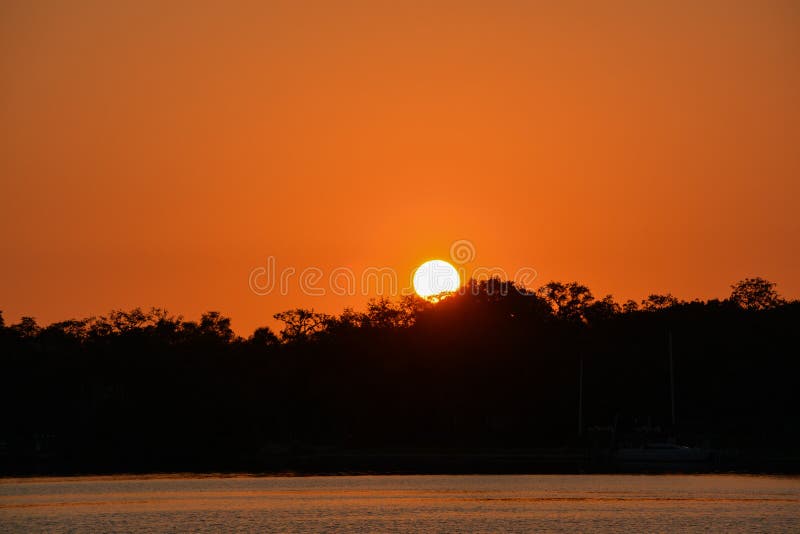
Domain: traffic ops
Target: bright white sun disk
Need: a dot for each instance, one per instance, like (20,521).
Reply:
(434,277)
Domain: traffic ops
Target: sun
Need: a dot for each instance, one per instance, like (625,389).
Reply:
(435,277)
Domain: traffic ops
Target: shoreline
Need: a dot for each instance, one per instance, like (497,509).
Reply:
(407,463)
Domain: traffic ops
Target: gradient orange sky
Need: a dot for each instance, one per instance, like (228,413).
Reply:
(154,153)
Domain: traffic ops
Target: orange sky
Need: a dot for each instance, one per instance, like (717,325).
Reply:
(154,153)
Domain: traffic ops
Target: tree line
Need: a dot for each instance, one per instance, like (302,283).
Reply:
(493,366)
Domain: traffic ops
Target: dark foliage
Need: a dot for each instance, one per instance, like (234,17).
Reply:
(492,367)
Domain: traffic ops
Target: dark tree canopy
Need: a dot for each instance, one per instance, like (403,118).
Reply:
(301,324)
(656,302)
(755,294)
(490,367)
(568,301)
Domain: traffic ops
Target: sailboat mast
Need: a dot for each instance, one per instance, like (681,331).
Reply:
(580,396)
(671,378)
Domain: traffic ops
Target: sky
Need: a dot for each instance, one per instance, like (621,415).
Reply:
(159,153)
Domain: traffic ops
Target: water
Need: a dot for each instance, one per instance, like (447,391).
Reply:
(510,503)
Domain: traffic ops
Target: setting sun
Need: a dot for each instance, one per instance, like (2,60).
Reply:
(435,277)
(510,249)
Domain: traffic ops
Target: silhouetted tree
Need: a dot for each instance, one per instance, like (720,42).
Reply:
(569,301)
(755,294)
(630,306)
(263,337)
(26,328)
(215,325)
(301,324)
(75,329)
(600,310)
(346,322)
(385,313)
(659,302)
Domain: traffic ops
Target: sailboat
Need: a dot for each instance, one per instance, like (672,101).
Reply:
(664,454)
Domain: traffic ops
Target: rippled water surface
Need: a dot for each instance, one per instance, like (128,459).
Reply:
(569,503)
